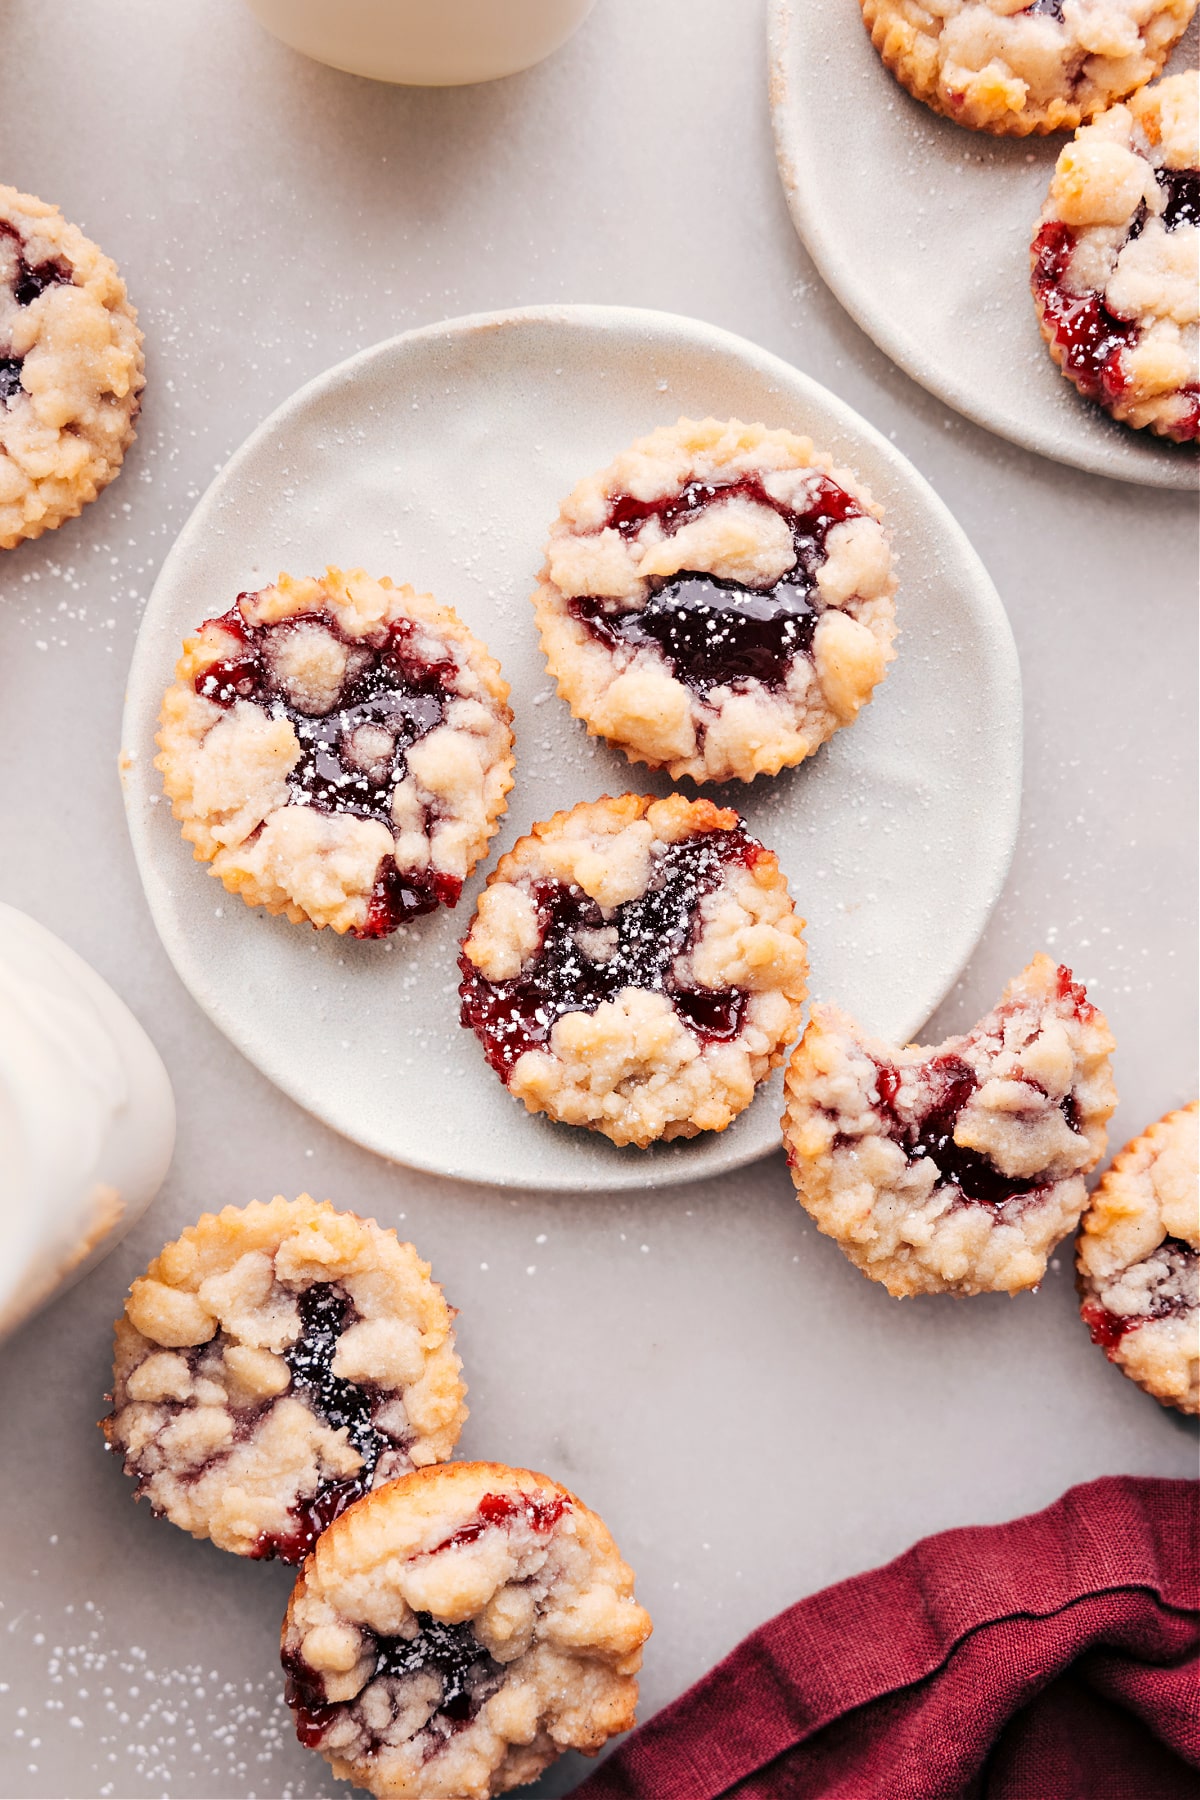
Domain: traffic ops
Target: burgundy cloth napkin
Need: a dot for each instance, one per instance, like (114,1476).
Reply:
(1053,1658)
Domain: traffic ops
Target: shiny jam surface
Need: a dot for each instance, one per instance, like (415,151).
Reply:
(392,697)
(325,1313)
(713,632)
(1090,337)
(951,1082)
(468,1674)
(586,957)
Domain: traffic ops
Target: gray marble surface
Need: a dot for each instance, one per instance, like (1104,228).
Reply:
(752,1417)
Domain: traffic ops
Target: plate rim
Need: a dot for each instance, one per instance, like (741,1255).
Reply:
(663,1165)
(898,346)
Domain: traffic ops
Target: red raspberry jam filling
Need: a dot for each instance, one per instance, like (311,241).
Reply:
(504,1510)
(587,955)
(1175,1292)
(325,1313)
(353,756)
(949,1083)
(711,632)
(468,1674)
(1090,337)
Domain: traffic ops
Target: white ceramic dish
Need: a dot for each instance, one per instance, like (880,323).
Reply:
(922,230)
(425,43)
(439,458)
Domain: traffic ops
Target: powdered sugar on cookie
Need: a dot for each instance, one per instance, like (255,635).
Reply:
(718,601)
(339,749)
(275,1363)
(955,1169)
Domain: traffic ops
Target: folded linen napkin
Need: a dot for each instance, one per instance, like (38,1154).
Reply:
(1053,1658)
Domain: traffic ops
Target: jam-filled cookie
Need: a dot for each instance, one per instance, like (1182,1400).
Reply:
(339,749)
(456,1630)
(718,601)
(275,1363)
(635,966)
(1011,67)
(956,1169)
(1139,1261)
(1115,260)
(71,369)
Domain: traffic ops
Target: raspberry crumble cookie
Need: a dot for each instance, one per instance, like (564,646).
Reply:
(1116,260)
(956,1169)
(339,749)
(718,601)
(1139,1261)
(71,369)
(456,1630)
(635,966)
(275,1363)
(1012,68)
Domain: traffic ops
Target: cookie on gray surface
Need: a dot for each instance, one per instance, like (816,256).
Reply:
(1138,1259)
(273,1364)
(456,1630)
(71,369)
(954,1169)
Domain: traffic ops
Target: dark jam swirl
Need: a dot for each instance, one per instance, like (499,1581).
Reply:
(713,632)
(29,280)
(389,689)
(326,1311)
(587,956)
(1176,1294)
(929,1134)
(468,1674)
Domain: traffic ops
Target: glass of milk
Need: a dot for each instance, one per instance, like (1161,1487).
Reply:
(425,43)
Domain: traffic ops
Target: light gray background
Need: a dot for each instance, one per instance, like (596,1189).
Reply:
(753,1418)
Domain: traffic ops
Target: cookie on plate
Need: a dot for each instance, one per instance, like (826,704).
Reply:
(718,600)
(635,966)
(954,1169)
(1139,1261)
(456,1630)
(71,369)
(1115,259)
(274,1364)
(1013,68)
(339,749)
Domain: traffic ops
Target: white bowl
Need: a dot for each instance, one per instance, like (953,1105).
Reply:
(424,43)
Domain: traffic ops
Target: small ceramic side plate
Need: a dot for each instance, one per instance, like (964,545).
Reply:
(922,229)
(440,459)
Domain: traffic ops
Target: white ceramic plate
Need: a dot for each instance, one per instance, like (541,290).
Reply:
(440,458)
(922,230)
